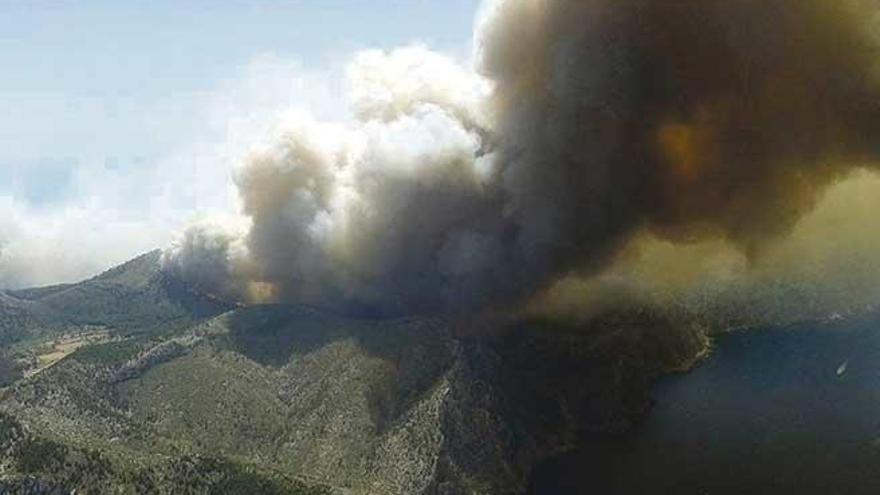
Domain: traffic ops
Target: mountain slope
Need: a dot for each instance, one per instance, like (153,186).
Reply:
(370,406)
(134,297)
(21,319)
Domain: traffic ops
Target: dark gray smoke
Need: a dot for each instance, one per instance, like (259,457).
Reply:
(591,120)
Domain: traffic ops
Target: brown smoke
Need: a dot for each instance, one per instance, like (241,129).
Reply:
(828,264)
(694,117)
(688,119)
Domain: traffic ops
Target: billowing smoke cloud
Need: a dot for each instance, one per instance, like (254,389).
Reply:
(210,254)
(395,211)
(590,121)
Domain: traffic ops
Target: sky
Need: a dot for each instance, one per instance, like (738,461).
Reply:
(120,119)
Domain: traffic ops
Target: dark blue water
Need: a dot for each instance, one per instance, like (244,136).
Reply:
(776,411)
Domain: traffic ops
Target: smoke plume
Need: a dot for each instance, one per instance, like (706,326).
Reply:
(586,123)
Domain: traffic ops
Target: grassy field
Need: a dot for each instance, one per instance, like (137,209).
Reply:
(52,351)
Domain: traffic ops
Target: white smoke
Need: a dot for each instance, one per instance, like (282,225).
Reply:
(365,211)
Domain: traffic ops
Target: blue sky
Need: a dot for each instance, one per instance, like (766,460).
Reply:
(95,47)
(71,65)
(118,117)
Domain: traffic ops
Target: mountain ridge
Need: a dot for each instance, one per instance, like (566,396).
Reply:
(136,296)
(357,405)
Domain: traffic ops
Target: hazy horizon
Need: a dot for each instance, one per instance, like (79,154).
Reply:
(122,121)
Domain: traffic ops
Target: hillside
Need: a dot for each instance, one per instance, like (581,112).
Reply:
(135,297)
(22,318)
(364,406)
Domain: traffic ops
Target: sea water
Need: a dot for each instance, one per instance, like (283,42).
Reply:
(792,410)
